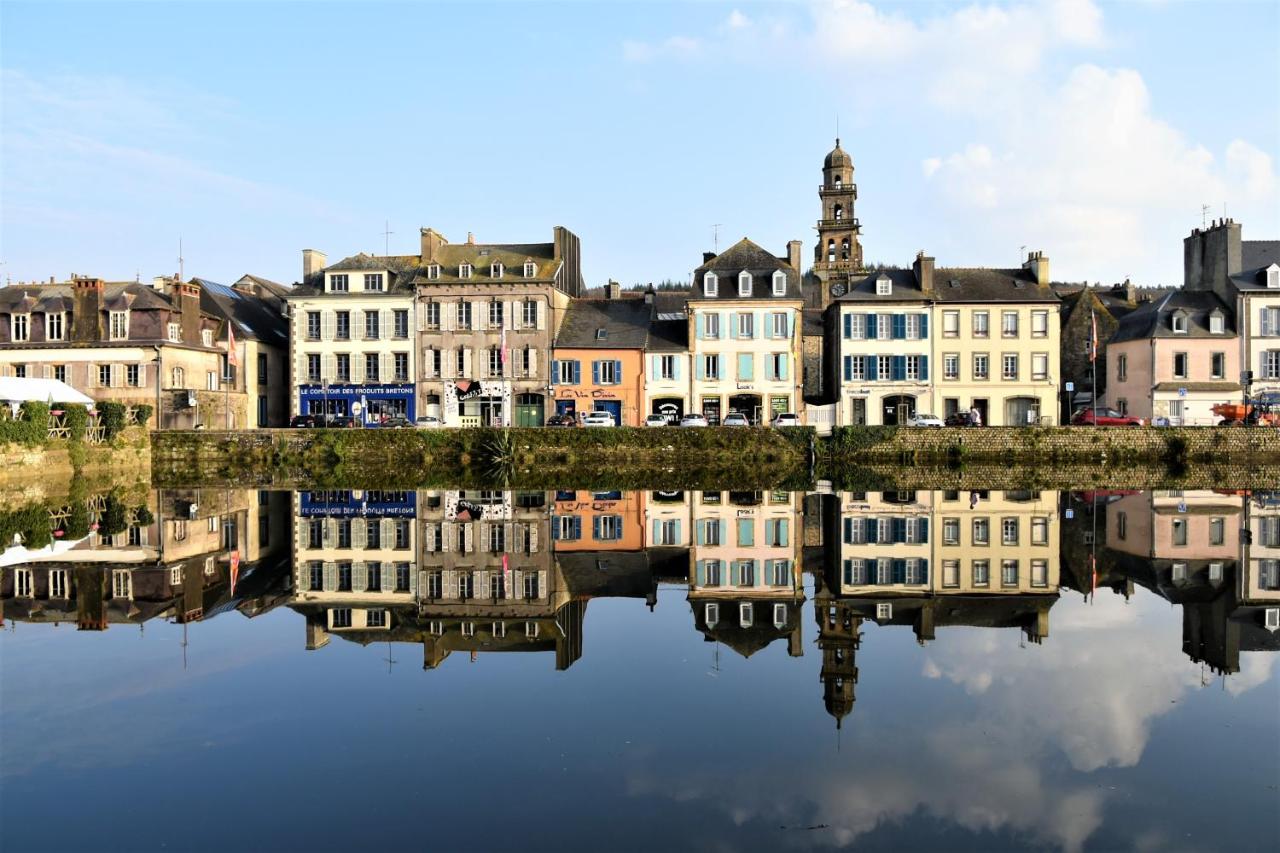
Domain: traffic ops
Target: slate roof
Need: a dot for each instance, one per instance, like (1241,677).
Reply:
(729,630)
(254,319)
(905,287)
(606,574)
(1255,254)
(625,323)
(979,284)
(746,256)
(1154,320)
(58,297)
(1253,279)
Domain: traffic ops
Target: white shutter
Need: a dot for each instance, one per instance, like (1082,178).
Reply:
(533,538)
(482,584)
(328,325)
(359,577)
(330,577)
(385,329)
(388,533)
(533,362)
(416,582)
(517,585)
(331,533)
(542,584)
(466,536)
(449,584)
(466,363)
(358,539)
(142,375)
(446,534)
(542,317)
(509,314)
(385,371)
(326,367)
(477,316)
(429,531)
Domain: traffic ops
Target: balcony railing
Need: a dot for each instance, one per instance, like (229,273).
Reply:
(846,222)
(838,189)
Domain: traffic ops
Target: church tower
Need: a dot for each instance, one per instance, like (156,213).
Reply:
(838,253)
(839,635)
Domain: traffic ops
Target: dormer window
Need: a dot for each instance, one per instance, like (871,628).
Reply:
(710,284)
(602,334)
(119,325)
(373,281)
(1217,324)
(53,326)
(884,286)
(779,283)
(744,283)
(495,269)
(530,269)
(206,337)
(1273,276)
(1179,322)
(20,326)
(433,272)
(464,270)
(338,283)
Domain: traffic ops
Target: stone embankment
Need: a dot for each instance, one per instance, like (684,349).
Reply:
(49,468)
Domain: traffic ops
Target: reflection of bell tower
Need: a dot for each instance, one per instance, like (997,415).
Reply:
(838,252)
(838,639)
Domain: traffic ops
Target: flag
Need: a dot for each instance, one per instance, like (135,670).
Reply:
(1093,336)
(1093,575)
(235,571)
(506,576)
(232,358)
(502,348)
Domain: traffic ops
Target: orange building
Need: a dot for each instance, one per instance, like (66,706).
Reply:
(598,521)
(598,360)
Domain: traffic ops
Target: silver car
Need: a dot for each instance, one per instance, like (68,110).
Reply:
(693,419)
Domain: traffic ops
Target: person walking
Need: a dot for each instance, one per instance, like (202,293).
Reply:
(975,416)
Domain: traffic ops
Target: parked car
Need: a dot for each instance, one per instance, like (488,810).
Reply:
(735,419)
(396,422)
(563,419)
(427,422)
(920,419)
(306,421)
(784,419)
(656,420)
(599,418)
(961,419)
(1103,416)
(693,419)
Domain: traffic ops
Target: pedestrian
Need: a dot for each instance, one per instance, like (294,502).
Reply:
(973,500)
(975,417)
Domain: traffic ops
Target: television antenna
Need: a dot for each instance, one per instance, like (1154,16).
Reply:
(1204,216)
(715,235)
(181,273)
(386,237)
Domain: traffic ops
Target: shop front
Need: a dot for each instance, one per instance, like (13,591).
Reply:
(472,402)
(370,405)
(671,408)
(576,401)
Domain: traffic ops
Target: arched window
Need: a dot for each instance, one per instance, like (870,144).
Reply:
(831,250)
(844,249)
(744,283)
(839,211)
(179,378)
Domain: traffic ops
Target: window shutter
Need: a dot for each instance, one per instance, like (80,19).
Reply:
(924,571)
(595,527)
(542,317)
(577,527)
(848,530)
(700,573)
(724,531)
(872,330)
(700,530)
(784,367)
(533,362)
(699,322)
(517,584)
(700,367)
(848,368)
(385,373)
(555,528)
(746,532)
(746,366)
(509,314)
(922,529)
(653,368)
(784,532)
(479,319)
(542,585)
(924,326)
(449,584)
(555,371)
(848,326)
(899,528)
(733,326)
(899,571)
(430,544)
(142,375)
(328,325)
(577,373)
(676,362)
(924,367)
(468,370)
(899,324)
(359,577)
(872,530)
(735,573)
(770,525)
(482,584)
(899,367)
(330,577)
(358,533)
(655,532)
(617,372)
(533,538)
(416,581)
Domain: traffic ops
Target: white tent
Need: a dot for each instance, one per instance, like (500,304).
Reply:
(14,392)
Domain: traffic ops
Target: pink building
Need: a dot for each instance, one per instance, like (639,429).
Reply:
(1175,359)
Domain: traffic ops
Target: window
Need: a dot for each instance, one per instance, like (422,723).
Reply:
(711,614)
(530,270)
(60,372)
(495,269)
(1009,324)
(373,281)
(1008,572)
(1009,366)
(884,611)
(746,614)
(855,368)
(342,325)
(342,362)
(566,372)
(376,618)
(711,366)
(132,375)
(313,327)
(1218,365)
(313,367)
(1217,531)
(1180,365)
(1039,324)
(666,532)
(529,314)
(400,530)
(746,326)
(884,286)
(121,583)
(712,323)
(1122,525)
(52,327)
(464,315)
(464,270)
(1216,324)
(495,315)
(401,361)
(951,324)
(466,585)
(1039,572)
(1122,367)
(24,583)
(981,324)
(744,283)
(400,323)
(371,330)
(431,315)
(175,331)
(981,531)
(372,534)
(338,283)
(1269,321)
(104,376)
(884,366)
(950,366)
(607,528)
(341,615)
(373,577)
(495,361)
(884,326)
(433,272)
(1271,364)
(1179,323)
(1040,365)
(1179,532)
(532,585)
(20,371)
(855,326)
(119,320)
(607,372)
(950,573)
(981,366)
(913,367)
(950,531)
(344,533)
(710,284)
(567,527)
(1040,530)
(402,577)
(206,337)
(58,586)
(779,283)
(1009,531)
(666,367)
(981,572)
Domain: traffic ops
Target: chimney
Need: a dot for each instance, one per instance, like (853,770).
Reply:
(86,311)
(923,268)
(1038,265)
(567,248)
(708,257)
(158,282)
(185,297)
(471,239)
(312,262)
(648,294)
(1210,257)
(430,242)
(317,636)
(794,248)
(1130,292)
(612,290)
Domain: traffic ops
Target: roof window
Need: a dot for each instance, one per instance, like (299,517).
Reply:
(884,286)
(710,284)
(744,283)
(1179,322)
(779,283)
(601,334)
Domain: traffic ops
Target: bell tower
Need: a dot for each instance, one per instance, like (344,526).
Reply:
(838,253)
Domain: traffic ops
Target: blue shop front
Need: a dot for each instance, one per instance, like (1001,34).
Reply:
(371,405)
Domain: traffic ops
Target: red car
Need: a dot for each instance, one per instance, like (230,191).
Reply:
(1103,416)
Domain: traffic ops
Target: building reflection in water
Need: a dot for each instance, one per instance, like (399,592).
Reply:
(505,571)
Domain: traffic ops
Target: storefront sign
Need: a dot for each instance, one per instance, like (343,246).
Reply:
(596,394)
(353,392)
(465,389)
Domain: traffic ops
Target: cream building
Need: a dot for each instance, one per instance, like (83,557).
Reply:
(668,361)
(745,334)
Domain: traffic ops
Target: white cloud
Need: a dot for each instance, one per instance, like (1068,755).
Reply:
(737,20)
(678,47)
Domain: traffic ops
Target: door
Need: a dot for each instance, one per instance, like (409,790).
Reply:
(950,406)
(262,410)
(528,410)
(711,410)
(1176,412)
(614,407)
(858,411)
(980,404)
(898,408)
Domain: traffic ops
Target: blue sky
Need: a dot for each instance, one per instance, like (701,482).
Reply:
(1093,132)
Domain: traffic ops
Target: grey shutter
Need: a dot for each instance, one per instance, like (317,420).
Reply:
(542,585)
(358,536)
(517,584)
(330,577)
(359,577)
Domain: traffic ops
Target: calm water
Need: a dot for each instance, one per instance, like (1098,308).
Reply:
(686,670)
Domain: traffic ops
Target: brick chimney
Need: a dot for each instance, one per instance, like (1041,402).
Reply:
(923,268)
(471,239)
(612,290)
(312,262)
(1038,265)
(430,241)
(794,248)
(1211,256)
(86,311)
(708,257)
(185,297)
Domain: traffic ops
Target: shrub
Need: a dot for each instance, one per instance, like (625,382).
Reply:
(142,414)
(113,517)
(77,526)
(111,416)
(143,516)
(31,426)
(77,419)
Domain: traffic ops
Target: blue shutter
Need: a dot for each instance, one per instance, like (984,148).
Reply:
(899,571)
(785,364)
(595,527)
(784,532)
(700,367)
(848,529)
(700,325)
(924,326)
(700,528)
(746,366)
(899,528)
(922,528)
(595,373)
(555,527)
(700,572)
(735,575)
(617,373)
(871,327)
(617,527)
(653,537)
(872,368)
(577,373)
(555,371)
(848,326)
(653,367)
(577,527)
(677,530)
(899,324)
(899,367)
(848,368)
(746,532)
(924,571)
(872,530)
(924,367)
(676,361)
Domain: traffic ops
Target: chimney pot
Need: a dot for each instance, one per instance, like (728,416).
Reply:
(312,262)
(471,239)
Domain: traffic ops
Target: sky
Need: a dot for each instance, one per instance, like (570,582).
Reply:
(1092,132)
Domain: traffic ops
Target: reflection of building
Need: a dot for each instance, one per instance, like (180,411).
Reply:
(170,557)
(745,585)
(598,521)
